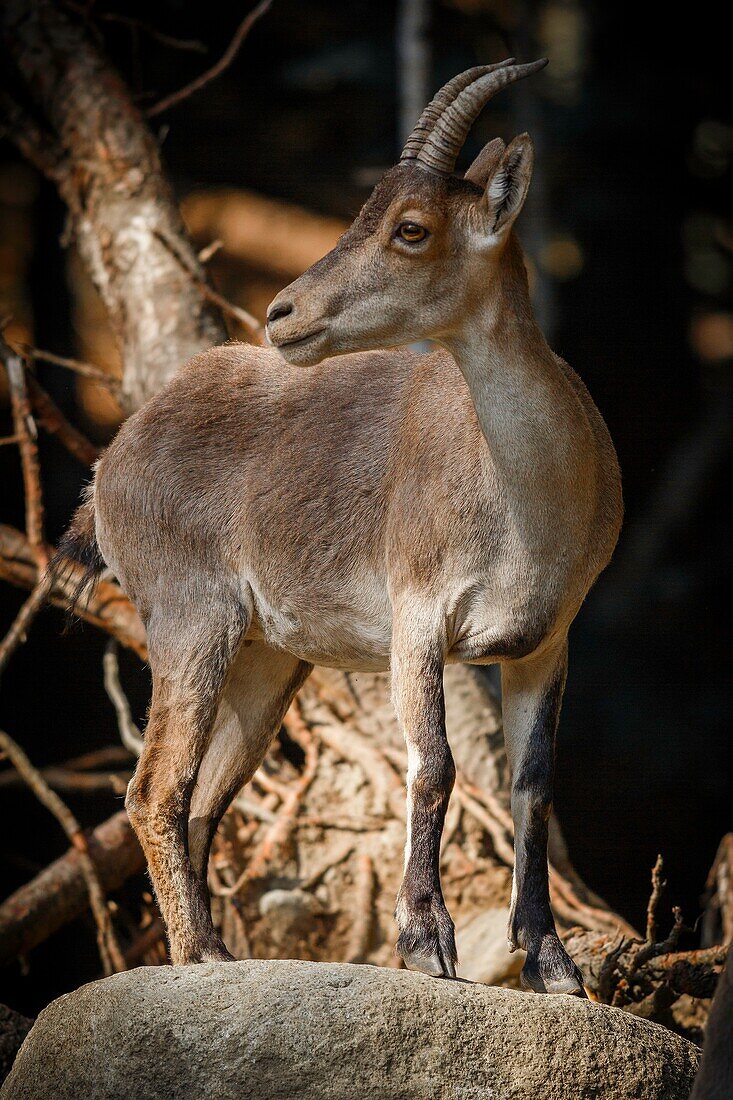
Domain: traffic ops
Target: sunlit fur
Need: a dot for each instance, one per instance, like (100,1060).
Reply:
(378,509)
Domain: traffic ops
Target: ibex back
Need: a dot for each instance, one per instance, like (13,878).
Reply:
(380,510)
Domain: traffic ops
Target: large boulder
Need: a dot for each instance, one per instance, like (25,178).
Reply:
(285,1030)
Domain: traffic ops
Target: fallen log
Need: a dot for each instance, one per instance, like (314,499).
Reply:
(59,893)
(273,236)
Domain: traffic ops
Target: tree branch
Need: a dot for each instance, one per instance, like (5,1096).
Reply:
(26,434)
(107,607)
(117,197)
(109,948)
(216,70)
(59,893)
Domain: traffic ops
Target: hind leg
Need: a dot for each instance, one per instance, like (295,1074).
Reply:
(258,691)
(192,646)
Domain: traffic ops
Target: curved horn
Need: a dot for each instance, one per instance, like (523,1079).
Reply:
(441,147)
(440,101)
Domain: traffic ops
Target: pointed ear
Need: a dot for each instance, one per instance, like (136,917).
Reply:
(507,188)
(485,162)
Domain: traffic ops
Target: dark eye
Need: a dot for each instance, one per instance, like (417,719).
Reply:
(411,232)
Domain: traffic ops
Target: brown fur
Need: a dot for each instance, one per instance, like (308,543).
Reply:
(380,508)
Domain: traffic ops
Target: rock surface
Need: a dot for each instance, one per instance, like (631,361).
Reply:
(327,1031)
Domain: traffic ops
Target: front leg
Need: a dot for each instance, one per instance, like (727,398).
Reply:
(532,695)
(426,936)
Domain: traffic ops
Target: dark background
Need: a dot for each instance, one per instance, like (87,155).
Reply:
(626,230)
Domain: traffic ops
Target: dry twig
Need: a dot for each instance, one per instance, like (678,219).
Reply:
(109,948)
(280,831)
(18,631)
(106,607)
(27,434)
(59,892)
(348,743)
(216,70)
(78,366)
(501,845)
(206,253)
(245,319)
(130,735)
(70,781)
(192,45)
(51,418)
(658,887)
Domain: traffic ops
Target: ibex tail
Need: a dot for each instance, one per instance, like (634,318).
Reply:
(78,546)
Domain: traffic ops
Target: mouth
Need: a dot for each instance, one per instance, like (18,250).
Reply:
(300,341)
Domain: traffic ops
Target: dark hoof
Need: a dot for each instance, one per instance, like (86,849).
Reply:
(551,970)
(436,963)
(427,941)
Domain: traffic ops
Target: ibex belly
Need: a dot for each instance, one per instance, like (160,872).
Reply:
(350,627)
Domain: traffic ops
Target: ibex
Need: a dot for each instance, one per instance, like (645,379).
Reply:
(383,509)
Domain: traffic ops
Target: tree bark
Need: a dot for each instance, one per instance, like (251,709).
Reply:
(107,168)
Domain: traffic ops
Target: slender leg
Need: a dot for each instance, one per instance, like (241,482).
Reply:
(426,937)
(532,692)
(258,691)
(189,661)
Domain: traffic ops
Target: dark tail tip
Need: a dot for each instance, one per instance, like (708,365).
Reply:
(78,546)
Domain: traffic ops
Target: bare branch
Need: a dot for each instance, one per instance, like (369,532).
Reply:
(246,320)
(205,254)
(192,45)
(51,418)
(658,887)
(109,948)
(78,366)
(116,194)
(130,735)
(26,432)
(216,70)
(106,608)
(18,631)
(362,927)
(69,781)
(59,893)
(279,832)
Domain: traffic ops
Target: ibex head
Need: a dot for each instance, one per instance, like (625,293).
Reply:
(424,248)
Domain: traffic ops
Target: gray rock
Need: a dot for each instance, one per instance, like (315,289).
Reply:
(327,1031)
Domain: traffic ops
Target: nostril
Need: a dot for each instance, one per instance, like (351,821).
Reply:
(283,310)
